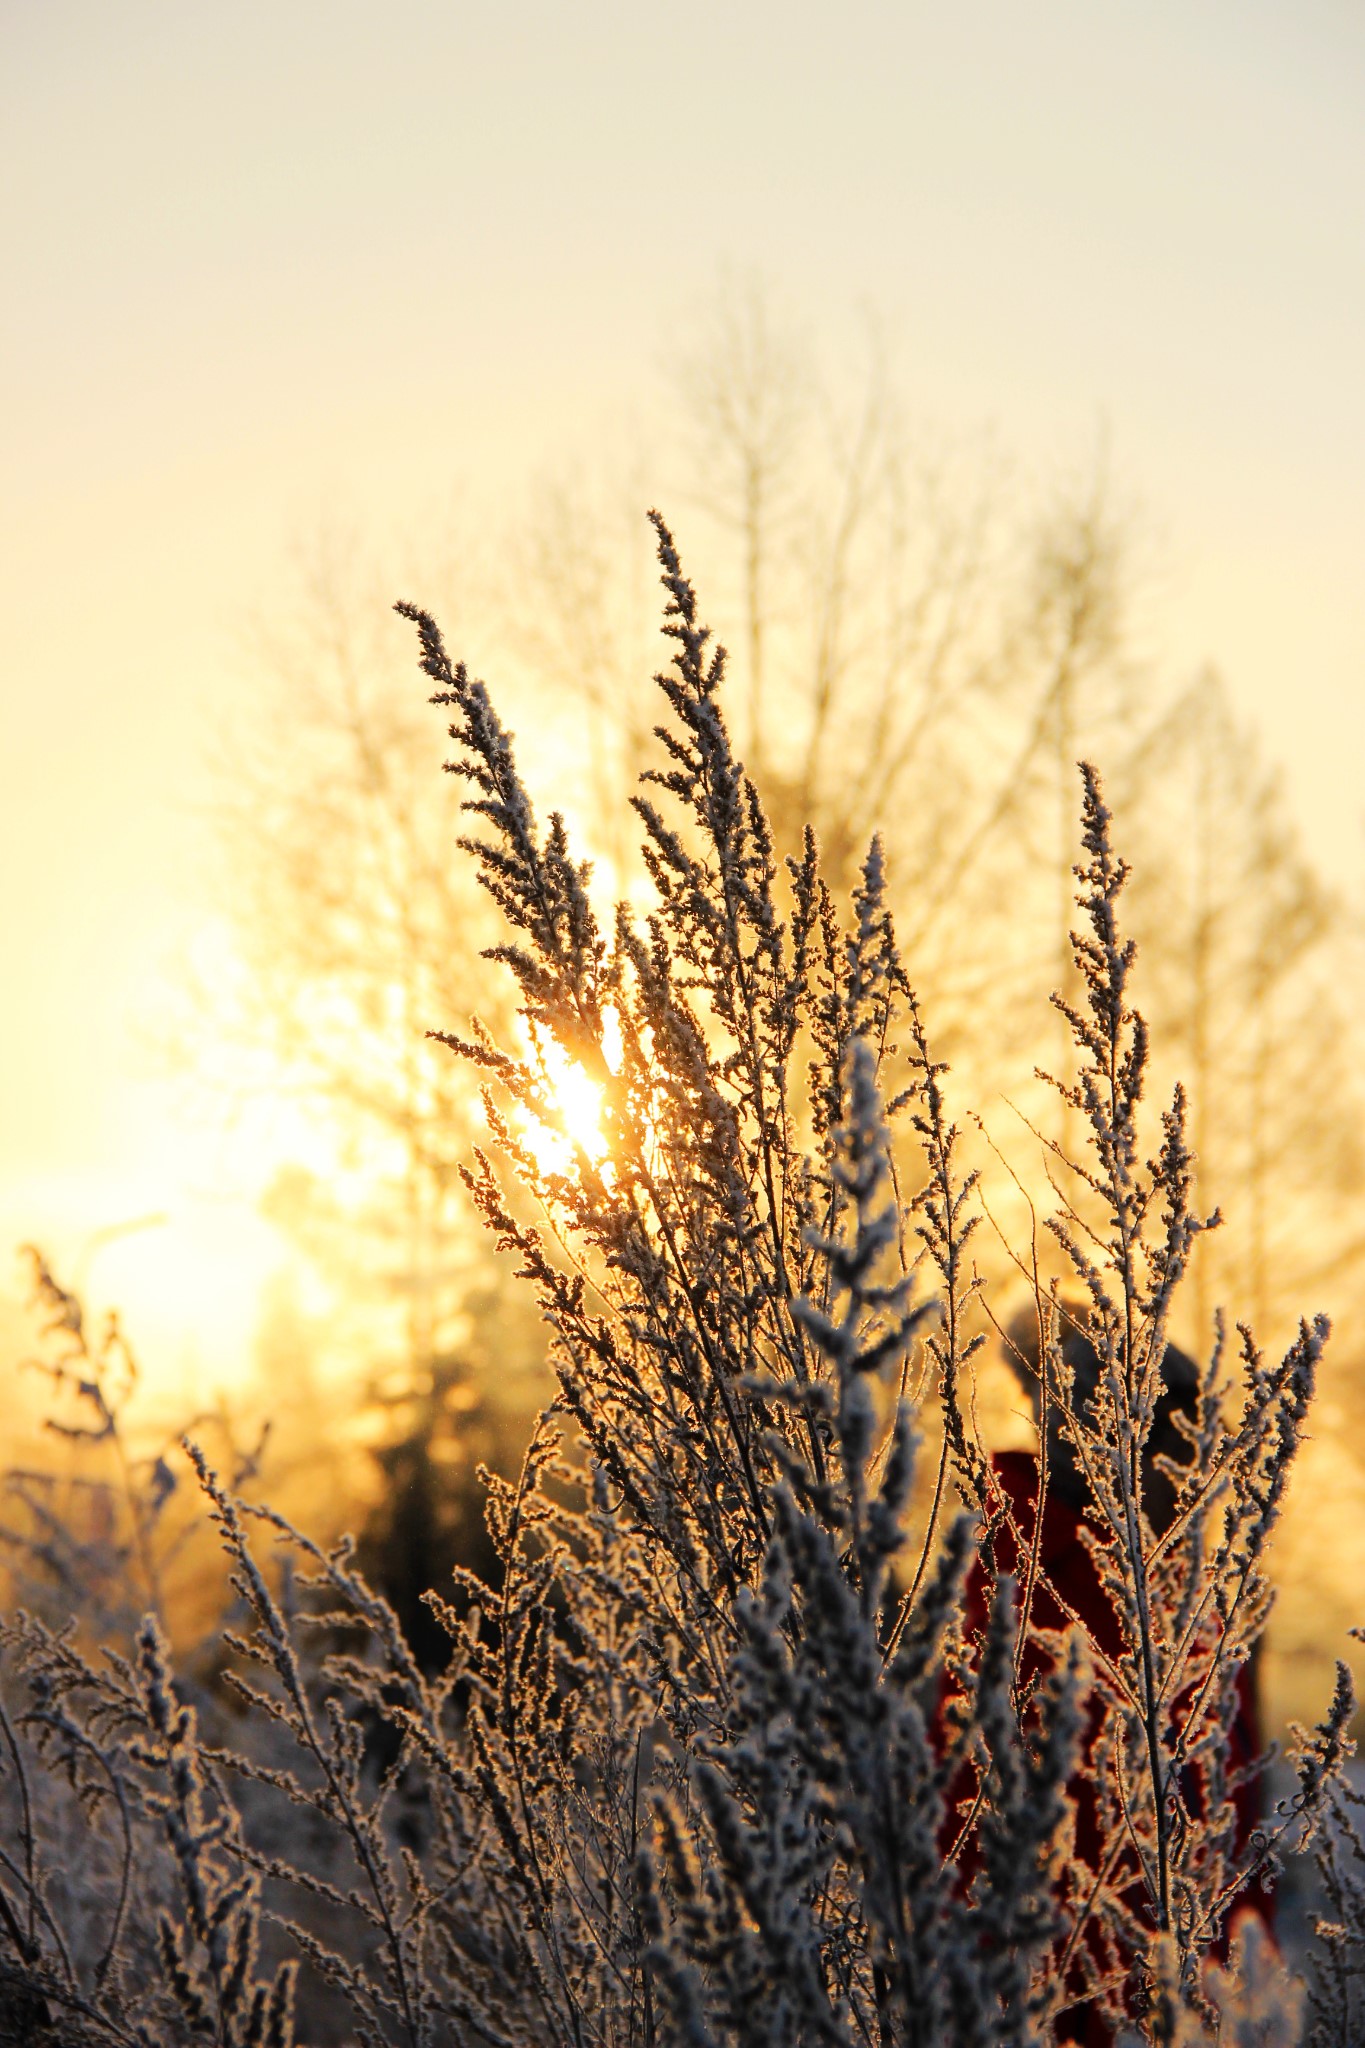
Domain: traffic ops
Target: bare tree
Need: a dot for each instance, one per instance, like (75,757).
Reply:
(1250,945)
(357,931)
(919,649)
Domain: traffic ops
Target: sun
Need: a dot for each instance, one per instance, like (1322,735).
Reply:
(578,1101)
(575,1100)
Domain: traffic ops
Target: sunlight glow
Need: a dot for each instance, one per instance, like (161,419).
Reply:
(578,1101)
(575,1100)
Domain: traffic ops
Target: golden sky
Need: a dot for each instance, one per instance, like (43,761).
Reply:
(263,264)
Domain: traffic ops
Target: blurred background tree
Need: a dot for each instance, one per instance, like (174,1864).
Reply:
(921,646)
(356,934)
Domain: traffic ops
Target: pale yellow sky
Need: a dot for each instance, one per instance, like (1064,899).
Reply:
(263,263)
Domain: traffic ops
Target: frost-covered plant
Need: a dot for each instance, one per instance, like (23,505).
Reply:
(1336,1992)
(723,1758)
(91,1539)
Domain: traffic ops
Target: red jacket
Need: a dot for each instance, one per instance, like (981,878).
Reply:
(1067,1585)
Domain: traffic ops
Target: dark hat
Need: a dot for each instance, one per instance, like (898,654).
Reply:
(1179,1398)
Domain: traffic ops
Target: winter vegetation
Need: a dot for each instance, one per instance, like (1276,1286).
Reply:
(785,1708)
(921,645)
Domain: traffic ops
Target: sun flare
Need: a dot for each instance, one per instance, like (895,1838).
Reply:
(575,1101)
(578,1101)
